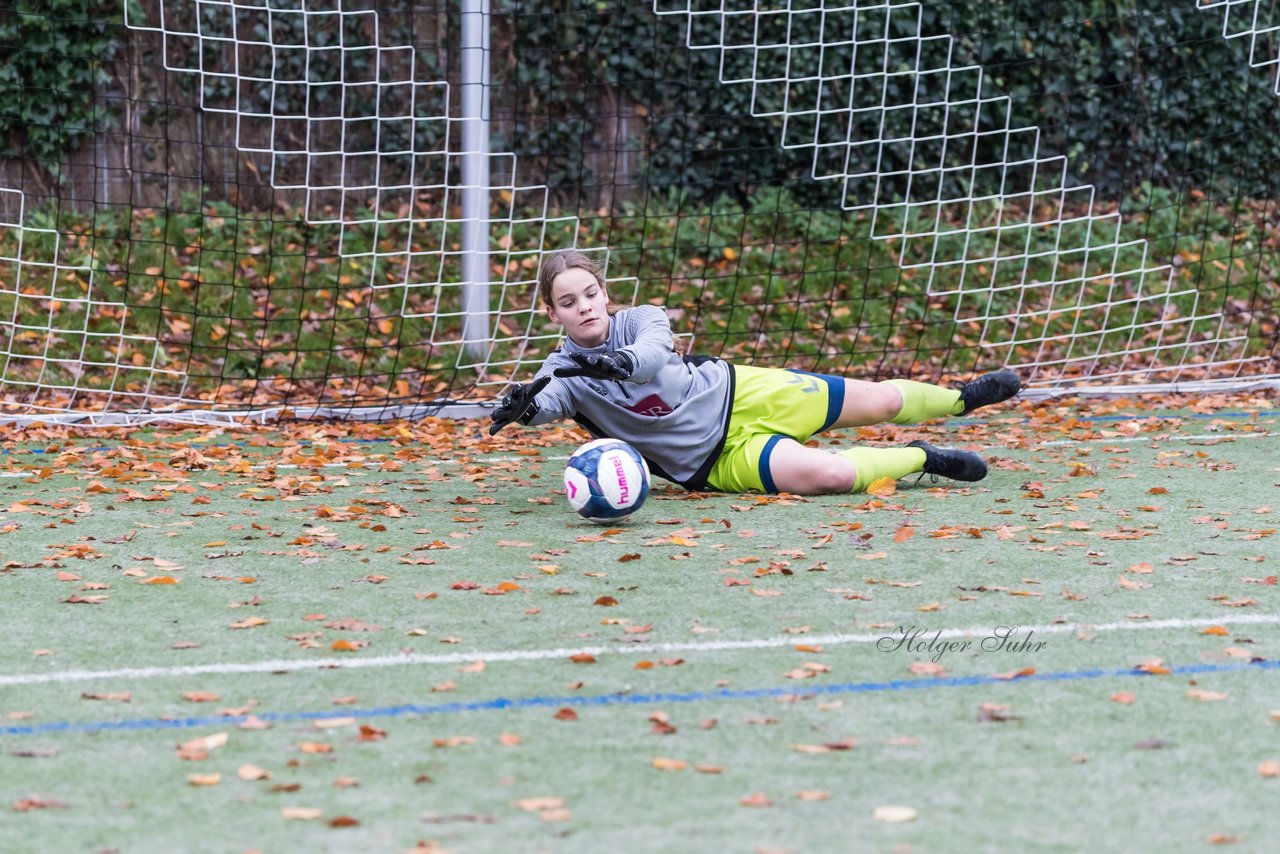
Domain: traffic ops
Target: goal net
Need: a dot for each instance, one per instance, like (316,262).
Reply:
(224,209)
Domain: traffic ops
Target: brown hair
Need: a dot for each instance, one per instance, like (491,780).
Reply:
(557,262)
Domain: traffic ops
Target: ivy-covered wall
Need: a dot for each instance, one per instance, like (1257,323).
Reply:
(603,100)
(54,54)
(1129,90)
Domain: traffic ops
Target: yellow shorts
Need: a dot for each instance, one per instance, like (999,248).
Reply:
(768,405)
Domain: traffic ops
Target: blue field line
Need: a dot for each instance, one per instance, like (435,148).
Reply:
(503,703)
(1090,419)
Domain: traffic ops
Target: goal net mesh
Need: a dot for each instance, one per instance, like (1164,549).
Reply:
(257,207)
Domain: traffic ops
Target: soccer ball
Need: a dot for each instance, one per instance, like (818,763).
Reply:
(606,480)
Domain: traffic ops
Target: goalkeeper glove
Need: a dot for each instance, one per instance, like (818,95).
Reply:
(599,366)
(518,405)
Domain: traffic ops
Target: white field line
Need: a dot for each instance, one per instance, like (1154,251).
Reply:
(1168,437)
(280,665)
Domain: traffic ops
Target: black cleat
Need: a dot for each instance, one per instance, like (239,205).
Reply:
(988,389)
(957,465)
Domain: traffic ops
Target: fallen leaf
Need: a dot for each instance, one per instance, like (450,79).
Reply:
(249,623)
(813,795)
(880,487)
(252,772)
(200,697)
(538,804)
(205,743)
(28,804)
(344,645)
(1269,768)
(300,813)
(891,813)
(204,779)
(828,747)
(760,799)
(1206,696)
(333,723)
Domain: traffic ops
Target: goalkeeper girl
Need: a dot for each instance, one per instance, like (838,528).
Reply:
(708,424)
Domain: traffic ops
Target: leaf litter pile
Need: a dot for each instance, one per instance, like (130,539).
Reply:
(309,542)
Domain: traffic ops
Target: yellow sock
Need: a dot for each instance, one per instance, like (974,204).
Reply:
(921,401)
(871,464)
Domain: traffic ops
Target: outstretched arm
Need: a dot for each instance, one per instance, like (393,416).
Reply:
(647,348)
(520,405)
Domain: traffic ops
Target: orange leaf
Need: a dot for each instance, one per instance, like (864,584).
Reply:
(566,714)
(1124,698)
(344,645)
(813,795)
(882,486)
(538,804)
(904,533)
(1017,674)
(160,579)
(1206,696)
(200,697)
(662,763)
(249,623)
(1215,630)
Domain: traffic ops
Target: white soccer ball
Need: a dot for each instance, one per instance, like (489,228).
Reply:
(606,480)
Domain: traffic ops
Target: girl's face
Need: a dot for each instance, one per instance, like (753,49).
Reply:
(581,305)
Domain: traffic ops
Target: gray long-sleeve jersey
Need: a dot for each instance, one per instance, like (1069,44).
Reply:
(674,409)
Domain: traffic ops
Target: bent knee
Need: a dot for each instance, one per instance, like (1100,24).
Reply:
(886,402)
